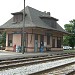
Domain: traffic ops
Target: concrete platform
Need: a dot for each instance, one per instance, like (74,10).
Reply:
(5,55)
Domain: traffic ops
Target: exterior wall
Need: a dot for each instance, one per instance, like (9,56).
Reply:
(30,39)
(9,48)
(30,49)
(57,34)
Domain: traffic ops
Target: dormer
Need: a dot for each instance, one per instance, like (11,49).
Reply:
(51,21)
(17,17)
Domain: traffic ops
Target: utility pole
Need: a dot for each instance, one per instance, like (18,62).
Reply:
(23,49)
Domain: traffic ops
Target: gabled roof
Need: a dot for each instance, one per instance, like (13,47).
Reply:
(32,19)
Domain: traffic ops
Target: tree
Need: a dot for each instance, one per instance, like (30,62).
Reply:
(68,28)
(3,39)
(70,39)
(66,40)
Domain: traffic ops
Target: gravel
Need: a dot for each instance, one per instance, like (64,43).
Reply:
(25,70)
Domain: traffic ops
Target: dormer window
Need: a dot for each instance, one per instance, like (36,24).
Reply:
(17,17)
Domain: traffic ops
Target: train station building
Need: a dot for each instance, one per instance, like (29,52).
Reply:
(41,30)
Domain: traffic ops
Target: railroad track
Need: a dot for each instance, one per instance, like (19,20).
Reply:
(66,69)
(71,72)
(5,64)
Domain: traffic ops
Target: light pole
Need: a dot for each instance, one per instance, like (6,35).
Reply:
(23,30)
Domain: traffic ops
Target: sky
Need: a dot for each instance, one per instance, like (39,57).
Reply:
(64,10)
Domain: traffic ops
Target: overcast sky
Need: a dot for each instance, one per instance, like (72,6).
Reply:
(64,10)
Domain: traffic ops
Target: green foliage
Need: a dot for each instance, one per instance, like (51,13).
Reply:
(68,27)
(69,51)
(70,39)
(3,39)
(66,40)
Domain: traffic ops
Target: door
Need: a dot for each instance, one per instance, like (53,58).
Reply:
(53,43)
(41,43)
(36,43)
(58,42)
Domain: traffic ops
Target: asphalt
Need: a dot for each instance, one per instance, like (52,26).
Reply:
(5,55)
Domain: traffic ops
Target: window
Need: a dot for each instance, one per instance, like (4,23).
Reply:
(10,38)
(48,39)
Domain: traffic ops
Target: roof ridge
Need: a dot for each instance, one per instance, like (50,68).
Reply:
(27,7)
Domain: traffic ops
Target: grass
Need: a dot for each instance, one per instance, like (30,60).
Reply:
(69,51)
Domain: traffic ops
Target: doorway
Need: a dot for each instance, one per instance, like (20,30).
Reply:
(41,43)
(36,43)
(53,43)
